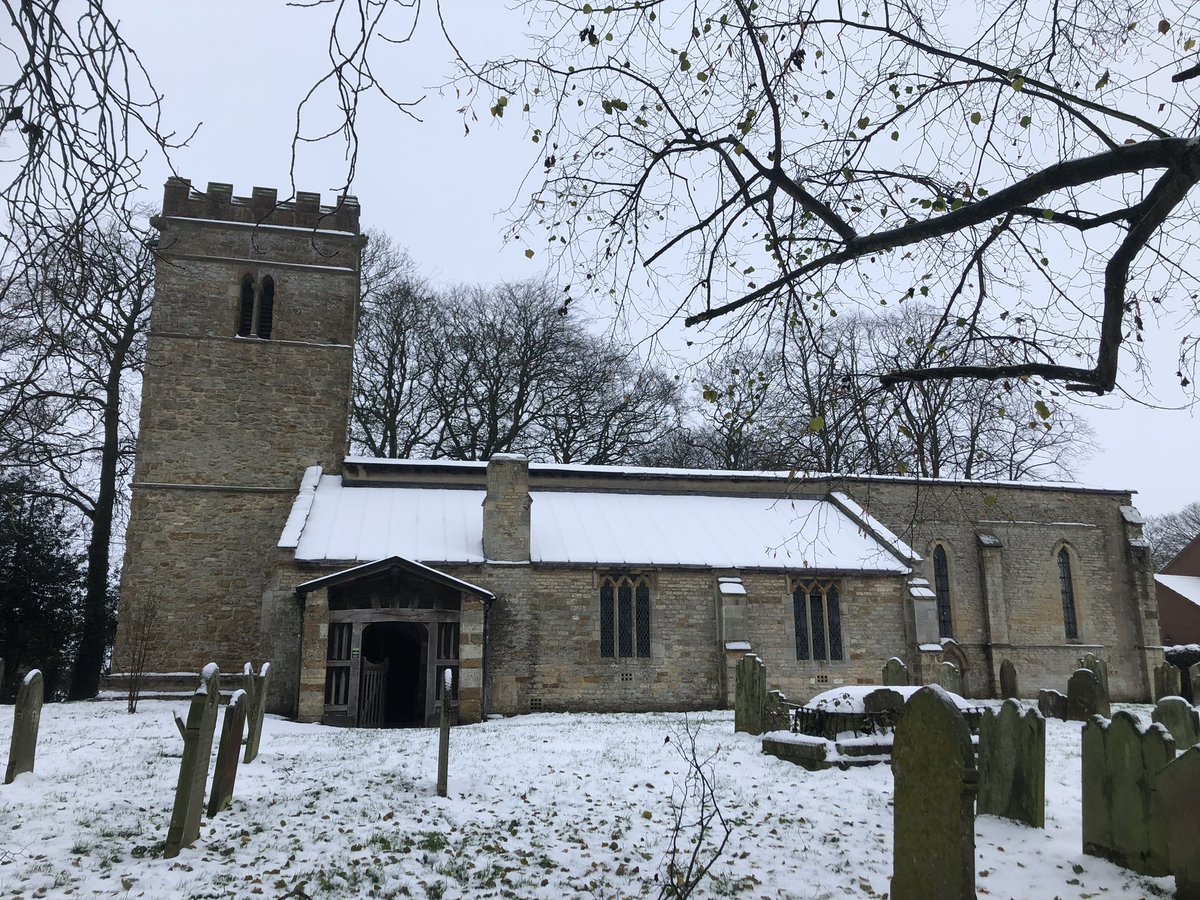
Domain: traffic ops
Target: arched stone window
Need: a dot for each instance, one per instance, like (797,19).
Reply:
(246,307)
(624,615)
(941,587)
(1066,586)
(256,307)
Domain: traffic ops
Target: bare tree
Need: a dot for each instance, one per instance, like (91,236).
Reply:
(1028,168)
(1171,532)
(68,395)
(139,631)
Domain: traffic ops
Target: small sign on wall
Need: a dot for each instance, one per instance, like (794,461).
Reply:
(356,653)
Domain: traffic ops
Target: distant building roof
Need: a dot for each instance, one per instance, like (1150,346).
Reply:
(1186,586)
(335,522)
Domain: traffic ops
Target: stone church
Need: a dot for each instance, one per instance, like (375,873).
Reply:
(541,586)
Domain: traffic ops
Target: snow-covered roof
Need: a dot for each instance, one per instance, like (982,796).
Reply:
(445,525)
(1186,586)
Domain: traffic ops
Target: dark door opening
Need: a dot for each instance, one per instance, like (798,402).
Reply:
(404,646)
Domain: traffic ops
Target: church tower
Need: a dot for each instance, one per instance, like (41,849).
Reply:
(247,383)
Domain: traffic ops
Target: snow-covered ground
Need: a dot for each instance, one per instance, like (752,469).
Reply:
(540,806)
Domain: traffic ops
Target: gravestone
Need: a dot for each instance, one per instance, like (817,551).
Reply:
(1180,718)
(950,678)
(27,716)
(1008,681)
(1085,696)
(1052,704)
(1012,764)
(230,749)
(884,700)
(1166,681)
(1193,680)
(193,768)
(1122,814)
(750,696)
(1178,786)
(255,687)
(895,672)
(1099,666)
(934,805)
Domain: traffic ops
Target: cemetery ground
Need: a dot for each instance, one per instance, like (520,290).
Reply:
(544,805)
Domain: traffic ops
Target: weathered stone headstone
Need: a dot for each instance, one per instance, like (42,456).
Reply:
(1166,681)
(895,672)
(934,808)
(1194,680)
(255,687)
(1012,764)
(443,775)
(1122,814)
(1178,786)
(1008,681)
(27,716)
(1052,704)
(1099,666)
(193,768)
(230,749)
(884,700)
(950,678)
(750,695)
(1181,719)
(1085,696)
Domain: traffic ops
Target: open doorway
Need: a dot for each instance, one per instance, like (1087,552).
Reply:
(395,657)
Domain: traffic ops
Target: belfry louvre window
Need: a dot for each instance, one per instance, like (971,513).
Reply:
(1067,587)
(818,620)
(941,587)
(256,307)
(624,616)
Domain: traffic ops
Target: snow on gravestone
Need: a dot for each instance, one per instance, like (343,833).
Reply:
(895,673)
(1122,815)
(750,695)
(1097,665)
(1086,696)
(1180,718)
(1012,764)
(934,806)
(1052,704)
(1008,681)
(193,768)
(255,687)
(27,716)
(1178,785)
(1166,682)
(225,771)
(950,678)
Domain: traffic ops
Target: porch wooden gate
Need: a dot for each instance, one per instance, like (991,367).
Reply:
(372,694)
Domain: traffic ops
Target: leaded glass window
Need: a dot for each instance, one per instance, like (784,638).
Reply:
(624,616)
(817,613)
(1067,587)
(941,587)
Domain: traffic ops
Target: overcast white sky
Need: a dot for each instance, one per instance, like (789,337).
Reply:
(240,68)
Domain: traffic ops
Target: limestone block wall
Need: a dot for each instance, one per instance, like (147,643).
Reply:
(1032,525)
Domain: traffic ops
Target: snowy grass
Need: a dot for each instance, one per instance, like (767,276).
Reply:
(540,806)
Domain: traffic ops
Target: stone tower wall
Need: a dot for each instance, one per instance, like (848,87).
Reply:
(229,423)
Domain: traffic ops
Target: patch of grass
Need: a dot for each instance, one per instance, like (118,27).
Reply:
(432,841)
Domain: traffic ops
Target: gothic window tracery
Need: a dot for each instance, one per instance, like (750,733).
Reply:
(816,607)
(624,616)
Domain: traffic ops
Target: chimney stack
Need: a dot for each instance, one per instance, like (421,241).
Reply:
(506,509)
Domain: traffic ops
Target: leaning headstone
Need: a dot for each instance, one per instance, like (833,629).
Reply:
(1122,815)
(1181,719)
(1052,704)
(193,768)
(1008,681)
(1012,764)
(934,806)
(950,678)
(1085,696)
(1178,785)
(1099,666)
(1166,681)
(255,687)
(230,749)
(27,716)
(895,672)
(750,695)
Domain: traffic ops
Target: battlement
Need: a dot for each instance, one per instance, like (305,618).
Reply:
(262,207)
